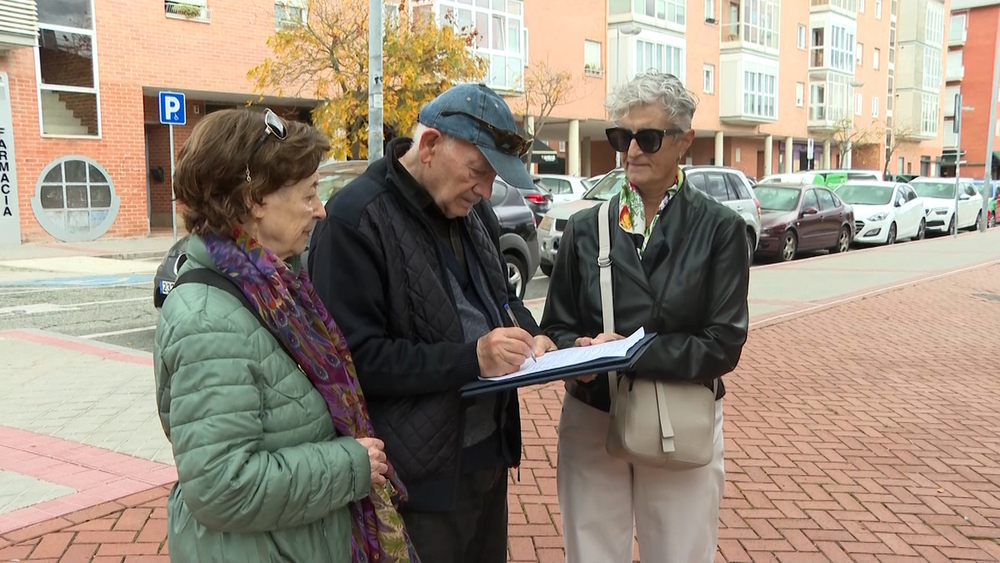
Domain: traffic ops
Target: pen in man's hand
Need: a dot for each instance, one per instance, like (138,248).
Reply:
(513,319)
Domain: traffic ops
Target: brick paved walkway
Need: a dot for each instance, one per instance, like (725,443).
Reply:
(865,432)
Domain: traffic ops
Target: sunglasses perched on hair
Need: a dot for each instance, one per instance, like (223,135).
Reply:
(273,125)
(649,140)
(506,140)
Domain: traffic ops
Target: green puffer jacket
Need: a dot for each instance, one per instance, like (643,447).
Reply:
(262,474)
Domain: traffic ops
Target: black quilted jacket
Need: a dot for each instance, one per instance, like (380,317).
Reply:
(376,264)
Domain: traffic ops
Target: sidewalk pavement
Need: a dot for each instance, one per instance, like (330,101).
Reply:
(857,429)
(130,260)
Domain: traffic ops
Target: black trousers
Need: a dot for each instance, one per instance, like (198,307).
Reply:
(475,532)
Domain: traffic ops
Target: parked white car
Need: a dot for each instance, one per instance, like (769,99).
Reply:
(564,188)
(884,212)
(727,185)
(939,203)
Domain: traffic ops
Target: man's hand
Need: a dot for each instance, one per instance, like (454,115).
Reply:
(544,344)
(599,339)
(377,459)
(503,351)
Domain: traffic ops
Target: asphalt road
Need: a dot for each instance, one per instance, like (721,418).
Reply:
(120,314)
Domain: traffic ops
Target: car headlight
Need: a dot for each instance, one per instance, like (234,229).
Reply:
(940,210)
(878,217)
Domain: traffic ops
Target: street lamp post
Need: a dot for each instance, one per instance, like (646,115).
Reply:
(957,128)
(620,72)
(374,80)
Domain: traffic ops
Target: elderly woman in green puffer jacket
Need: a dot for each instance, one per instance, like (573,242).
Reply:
(276,458)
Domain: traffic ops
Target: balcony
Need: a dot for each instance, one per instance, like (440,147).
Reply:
(751,27)
(954,74)
(847,8)
(831,101)
(18,24)
(748,89)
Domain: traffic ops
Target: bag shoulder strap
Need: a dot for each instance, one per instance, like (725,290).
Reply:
(607,295)
(208,276)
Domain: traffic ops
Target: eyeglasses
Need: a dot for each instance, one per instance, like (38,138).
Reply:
(273,125)
(649,140)
(506,140)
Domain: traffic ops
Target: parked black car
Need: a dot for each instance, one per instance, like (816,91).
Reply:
(518,239)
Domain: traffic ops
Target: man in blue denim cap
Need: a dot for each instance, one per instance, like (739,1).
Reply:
(408,262)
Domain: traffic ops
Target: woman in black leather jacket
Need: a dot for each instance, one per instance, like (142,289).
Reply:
(682,274)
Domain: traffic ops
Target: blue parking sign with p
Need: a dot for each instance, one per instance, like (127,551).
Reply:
(172,108)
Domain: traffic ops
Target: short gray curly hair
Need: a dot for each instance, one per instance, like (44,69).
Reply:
(654,88)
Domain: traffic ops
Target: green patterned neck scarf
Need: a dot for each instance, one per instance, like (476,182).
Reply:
(632,214)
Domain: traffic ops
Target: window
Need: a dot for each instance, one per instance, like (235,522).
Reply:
(664,58)
(65,62)
(592,57)
(842,48)
(75,199)
(932,68)
(861,6)
(930,111)
(875,57)
(716,187)
(501,37)
(878,9)
(800,94)
(710,10)
(671,11)
(874,106)
(809,199)
(760,91)
(186,9)
(760,22)
(816,58)
(859,55)
(830,96)
(934,24)
(801,40)
(289,13)
(826,200)
(956,28)
(558,186)
(858,103)
(708,79)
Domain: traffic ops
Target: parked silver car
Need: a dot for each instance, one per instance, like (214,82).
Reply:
(728,185)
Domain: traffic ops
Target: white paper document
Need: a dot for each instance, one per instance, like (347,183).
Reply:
(575,356)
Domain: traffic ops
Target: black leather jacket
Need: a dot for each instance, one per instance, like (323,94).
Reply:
(690,287)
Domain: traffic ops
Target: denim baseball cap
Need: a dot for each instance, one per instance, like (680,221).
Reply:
(469,112)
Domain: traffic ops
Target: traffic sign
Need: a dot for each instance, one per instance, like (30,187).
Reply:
(172,108)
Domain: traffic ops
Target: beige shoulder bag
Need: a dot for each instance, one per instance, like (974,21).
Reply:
(664,424)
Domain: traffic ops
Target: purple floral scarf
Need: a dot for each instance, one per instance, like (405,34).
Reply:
(287,301)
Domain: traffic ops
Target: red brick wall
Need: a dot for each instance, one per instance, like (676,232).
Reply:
(138,52)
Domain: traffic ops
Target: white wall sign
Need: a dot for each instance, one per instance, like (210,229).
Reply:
(10,219)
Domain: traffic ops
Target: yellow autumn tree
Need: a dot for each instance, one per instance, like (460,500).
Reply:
(326,57)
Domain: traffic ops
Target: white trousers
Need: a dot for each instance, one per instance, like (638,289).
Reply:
(676,512)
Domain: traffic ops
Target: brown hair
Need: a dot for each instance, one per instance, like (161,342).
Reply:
(210,177)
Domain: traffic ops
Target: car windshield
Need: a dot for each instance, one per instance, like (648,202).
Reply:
(865,194)
(942,190)
(777,198)
(607,187)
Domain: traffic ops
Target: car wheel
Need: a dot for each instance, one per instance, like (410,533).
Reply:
(993,221)
(843,241)
(891,237)
(789,245)
(546,269)
(517,274)
(921,230)
(951,225)
(751,246)
(979,218)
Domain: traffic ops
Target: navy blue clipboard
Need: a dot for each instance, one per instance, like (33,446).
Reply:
(621,363)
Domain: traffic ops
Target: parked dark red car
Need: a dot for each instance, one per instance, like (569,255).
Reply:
(797,218)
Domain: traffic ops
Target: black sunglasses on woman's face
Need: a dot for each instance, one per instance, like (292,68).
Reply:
(649,140)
